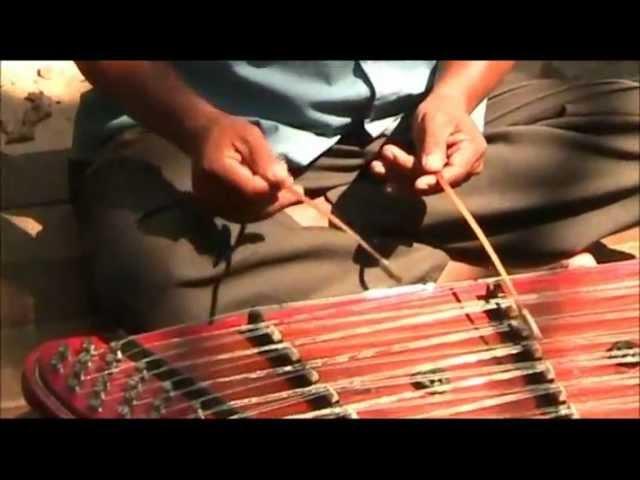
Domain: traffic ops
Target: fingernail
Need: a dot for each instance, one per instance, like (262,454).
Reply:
(424,183)
(377,167)
(433,162)
(280,172)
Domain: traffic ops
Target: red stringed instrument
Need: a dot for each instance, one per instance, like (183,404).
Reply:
(424,351)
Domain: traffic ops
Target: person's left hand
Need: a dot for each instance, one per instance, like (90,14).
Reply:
(446,140)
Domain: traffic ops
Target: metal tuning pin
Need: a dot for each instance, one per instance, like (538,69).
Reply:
(158,408)
(125,410)
(96,401)
(132,391)
(73,383)
(60,357)
(64,352)
(102,383)
(134,384)
(200,412)
(89,347)
(98,393)
(143,373)
(130,397)
(115,352)
(57,364)
(112,360)
(84,359)
(101,386)
(77,376)
(168,389)
(79,370)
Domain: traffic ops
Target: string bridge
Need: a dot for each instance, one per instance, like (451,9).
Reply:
(519,318)
(262,334)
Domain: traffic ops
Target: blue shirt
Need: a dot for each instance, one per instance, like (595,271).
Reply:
(303,107)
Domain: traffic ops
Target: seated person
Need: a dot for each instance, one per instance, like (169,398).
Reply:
(186,201)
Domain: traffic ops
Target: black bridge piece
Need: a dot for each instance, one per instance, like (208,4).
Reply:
(518,334)
(506,314)
(176,382)
(262,335)
(623,350)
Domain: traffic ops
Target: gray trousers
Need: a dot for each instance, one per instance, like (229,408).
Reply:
(562,172)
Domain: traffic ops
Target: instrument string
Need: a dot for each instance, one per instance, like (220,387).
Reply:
(432,341)
(608,404)
(350,356)
(475,307)
(421,398)
(560,411)
(547,413)
(602,315)
(399,400)
(503,372)
(325,339)
(366,381)
(566,408)
(399,347)
(401,376)
(397,376)
(351,324)
(275,349)
(617,288)
(318,391)
(587,360)
(270,351)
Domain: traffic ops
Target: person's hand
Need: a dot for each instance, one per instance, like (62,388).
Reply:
(235,174)
(446,140)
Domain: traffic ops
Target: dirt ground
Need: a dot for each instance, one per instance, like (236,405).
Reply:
(42,294)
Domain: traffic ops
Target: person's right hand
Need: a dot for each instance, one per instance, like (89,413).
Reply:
(235,174)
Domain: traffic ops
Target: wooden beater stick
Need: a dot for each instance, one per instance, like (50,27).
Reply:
(384,263)
(492,254)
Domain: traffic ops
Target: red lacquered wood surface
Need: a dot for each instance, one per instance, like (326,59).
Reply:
(416,352)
